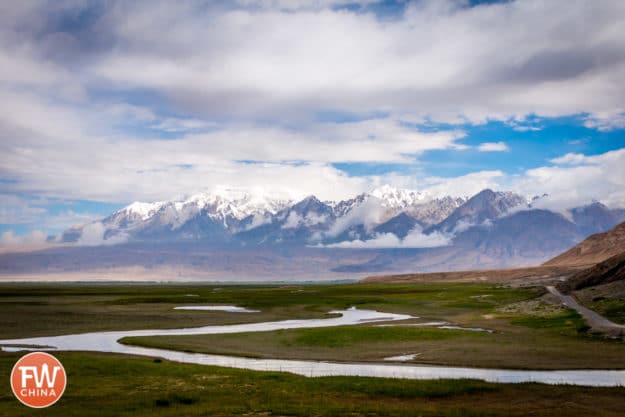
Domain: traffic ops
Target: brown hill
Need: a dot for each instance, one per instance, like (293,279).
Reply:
(593,250)
(610,270)
(535,275)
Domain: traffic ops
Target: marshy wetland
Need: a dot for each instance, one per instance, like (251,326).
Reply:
(525,332)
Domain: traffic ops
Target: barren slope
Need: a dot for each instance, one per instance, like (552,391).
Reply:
(593,250)
(521,275)
(610,270)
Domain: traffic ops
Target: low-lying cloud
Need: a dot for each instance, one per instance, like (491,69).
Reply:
(9,239)
(369,213)
(93,234)
(415,239)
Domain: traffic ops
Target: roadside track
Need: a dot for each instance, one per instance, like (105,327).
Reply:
(594,319)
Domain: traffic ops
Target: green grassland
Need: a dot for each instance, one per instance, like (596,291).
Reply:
(523,337)
(611,309)
(104,385)
(528,333)
(527,342)
(53,309)
(607,300)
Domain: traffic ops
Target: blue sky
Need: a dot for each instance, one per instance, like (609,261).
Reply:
(105,103)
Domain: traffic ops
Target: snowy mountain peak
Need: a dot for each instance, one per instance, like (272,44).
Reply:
(236,203)
(485,205)
(398,197)
(142,210)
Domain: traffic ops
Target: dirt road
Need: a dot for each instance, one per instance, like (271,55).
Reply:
(594,319)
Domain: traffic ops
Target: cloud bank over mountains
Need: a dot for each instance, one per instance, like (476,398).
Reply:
(414,239)
(120,101)
(232,233)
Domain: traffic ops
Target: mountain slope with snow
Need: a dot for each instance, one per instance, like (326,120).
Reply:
(499,225)
(385,230)
(485,206)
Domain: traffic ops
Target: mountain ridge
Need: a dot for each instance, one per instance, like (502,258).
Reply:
(234,234)
(483,221)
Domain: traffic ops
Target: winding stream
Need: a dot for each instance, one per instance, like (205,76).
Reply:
(107,342)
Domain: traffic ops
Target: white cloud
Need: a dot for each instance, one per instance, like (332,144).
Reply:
(261,70)
(577,180)
(463,225)
(606,121)
(414,239)
(280,59)
(313,218)
(10,239)
(16,210)
(172,125)
(432,61)
(523,124)
(293,220)
(130,168)
(569,159)
(93,234)
(369,213)
(257,221)
(526,128)
(465,185)
(34,213)
(493,147)
(301,4)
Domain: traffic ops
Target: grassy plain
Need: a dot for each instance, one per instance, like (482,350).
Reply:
(53,309)
(556,341)
(527,334)
(104,385)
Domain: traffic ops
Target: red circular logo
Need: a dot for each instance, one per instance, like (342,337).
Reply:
(38,380)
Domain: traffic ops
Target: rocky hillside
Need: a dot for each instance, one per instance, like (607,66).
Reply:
(593,250)
(608,271)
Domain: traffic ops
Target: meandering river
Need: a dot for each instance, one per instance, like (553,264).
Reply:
(108,342)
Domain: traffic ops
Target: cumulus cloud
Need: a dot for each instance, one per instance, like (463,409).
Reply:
(433,60)
(576,180)
(245,156)
(569,159)
(493,147)
(275,57)
(251,105)
(606,122)
(415,239)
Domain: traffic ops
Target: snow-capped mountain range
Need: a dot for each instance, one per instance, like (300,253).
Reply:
(258,217)
(245,235)
(227,205)
(384,217)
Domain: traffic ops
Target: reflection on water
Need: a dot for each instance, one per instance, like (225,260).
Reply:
(229,309)
(402,358)
(107,342)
